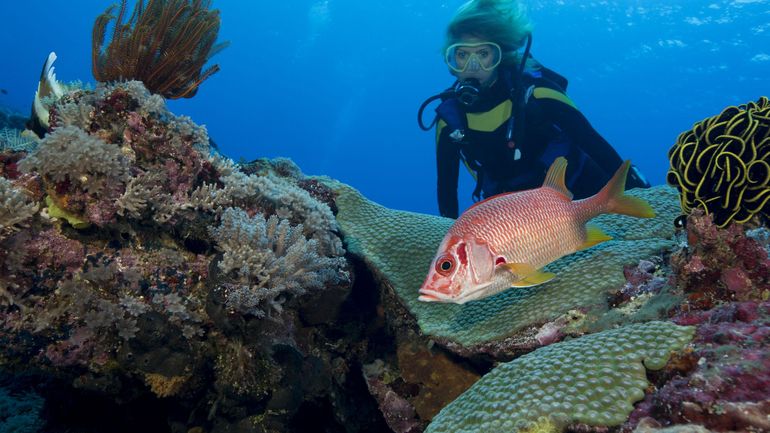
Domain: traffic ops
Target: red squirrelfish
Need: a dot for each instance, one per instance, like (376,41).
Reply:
(505,240)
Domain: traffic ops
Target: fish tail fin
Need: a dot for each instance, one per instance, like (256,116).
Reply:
(612,199)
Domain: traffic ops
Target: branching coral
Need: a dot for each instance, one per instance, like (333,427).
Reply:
(282,196)
(268,260)
(84,174)
(69,155)
(164,44)
(117,150)
(15,140)
(722,164)
(15,206)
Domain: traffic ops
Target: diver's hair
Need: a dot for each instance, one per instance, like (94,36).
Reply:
(503,22)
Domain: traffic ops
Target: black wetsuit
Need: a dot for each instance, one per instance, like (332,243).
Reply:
(554,127)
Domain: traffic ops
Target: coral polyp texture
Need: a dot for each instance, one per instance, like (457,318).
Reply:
(399,246)
(592,380)
(722,165)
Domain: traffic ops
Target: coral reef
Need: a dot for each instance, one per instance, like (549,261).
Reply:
(723,381)
(270,260)
(711,278)
(593,380)
(136,265)
(721,164)
(399,246)
(720,265)
(165,44)
(15,207)
(186,293)
(15,140)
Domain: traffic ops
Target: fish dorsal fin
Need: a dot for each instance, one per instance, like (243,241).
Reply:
(554,179)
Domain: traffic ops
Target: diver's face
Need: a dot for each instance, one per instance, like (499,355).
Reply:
(474,58)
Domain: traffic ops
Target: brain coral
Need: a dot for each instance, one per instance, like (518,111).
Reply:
(591,380)
(399,247)
(722,164)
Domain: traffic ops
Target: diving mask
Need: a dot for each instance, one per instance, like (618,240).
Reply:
(471,57)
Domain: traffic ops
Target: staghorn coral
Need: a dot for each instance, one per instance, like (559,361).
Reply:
(15,207)
(722,165)
(591,380)
(269,260)
(165,44)
(399,247)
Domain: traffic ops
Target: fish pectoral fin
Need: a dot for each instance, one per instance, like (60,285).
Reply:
(529,275)
(535,279)
(519,268)
(594,236)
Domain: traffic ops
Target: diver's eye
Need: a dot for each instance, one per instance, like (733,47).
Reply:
(483,54)
(461,54)
(445,265)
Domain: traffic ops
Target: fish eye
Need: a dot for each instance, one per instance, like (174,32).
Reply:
(445,265)
(680,222)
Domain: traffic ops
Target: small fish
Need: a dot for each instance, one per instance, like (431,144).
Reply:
(505,240)
(3,91)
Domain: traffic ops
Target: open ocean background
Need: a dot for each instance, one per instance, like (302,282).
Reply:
(335,84)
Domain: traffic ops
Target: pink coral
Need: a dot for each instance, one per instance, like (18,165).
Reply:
(720,265)
(51,250)
(724,382)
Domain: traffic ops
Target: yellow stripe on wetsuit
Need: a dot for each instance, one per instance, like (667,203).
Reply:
(491,120)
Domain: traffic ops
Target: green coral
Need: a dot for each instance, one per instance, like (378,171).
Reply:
(592,380)
(399,246)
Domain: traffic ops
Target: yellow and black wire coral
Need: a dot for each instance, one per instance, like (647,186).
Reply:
(722,164)
(165,44)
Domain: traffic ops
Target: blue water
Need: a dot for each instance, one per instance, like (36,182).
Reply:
(335,84)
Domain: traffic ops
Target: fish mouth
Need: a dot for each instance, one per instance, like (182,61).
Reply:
(431,296)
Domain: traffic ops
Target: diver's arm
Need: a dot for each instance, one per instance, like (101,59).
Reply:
(581,133)
(447,170)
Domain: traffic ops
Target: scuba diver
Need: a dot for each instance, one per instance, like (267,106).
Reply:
(507,117)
